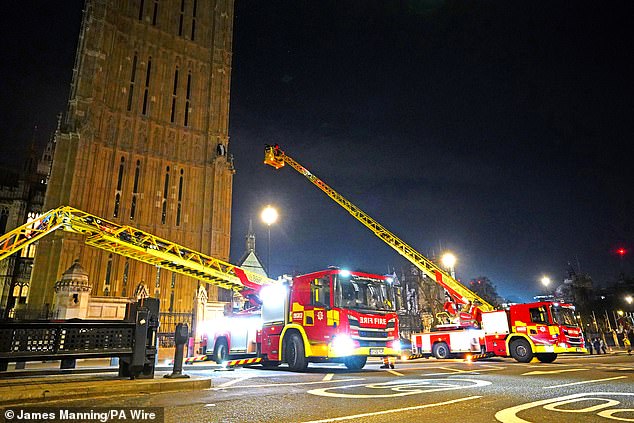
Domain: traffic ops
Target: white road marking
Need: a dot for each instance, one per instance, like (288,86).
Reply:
(268,385)
(328,376)
(233,381)
(548,372)
(509,415)
(585,381)
(398,388)
(394,410)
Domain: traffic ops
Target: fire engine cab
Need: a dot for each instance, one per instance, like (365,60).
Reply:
(332,315)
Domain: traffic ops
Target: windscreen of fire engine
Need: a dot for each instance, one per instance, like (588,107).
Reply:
(363,294)
(563,316)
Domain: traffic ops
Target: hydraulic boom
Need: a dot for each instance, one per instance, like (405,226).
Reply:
(133,243)
(275,157)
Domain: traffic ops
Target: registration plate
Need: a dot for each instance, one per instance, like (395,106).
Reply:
(376,351)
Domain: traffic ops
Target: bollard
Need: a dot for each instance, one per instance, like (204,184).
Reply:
(180,339)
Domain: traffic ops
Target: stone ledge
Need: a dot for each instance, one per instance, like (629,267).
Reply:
(58,389)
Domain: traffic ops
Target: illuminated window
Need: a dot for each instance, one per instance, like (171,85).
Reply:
(29,250)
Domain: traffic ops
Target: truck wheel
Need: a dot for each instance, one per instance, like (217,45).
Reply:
(441,350)
(295,356)
(221,351)
(521,350)
(546,357)
(355,362)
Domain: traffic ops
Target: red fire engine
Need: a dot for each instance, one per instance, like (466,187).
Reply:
(523,331)
(332,315)
(540,329)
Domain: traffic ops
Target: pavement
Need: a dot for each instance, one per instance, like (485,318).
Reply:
(44,381)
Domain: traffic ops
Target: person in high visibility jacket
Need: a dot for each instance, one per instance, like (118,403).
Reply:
(388,362)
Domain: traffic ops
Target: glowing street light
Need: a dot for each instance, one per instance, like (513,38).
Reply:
(269,216)
(449,262)
(629,299)
(545,281)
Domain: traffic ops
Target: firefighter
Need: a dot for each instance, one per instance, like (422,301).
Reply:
(388,362)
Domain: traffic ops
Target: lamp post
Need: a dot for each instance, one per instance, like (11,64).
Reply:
(449,261)
(269,216)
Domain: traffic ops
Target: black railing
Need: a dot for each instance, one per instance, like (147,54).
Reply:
(133,340)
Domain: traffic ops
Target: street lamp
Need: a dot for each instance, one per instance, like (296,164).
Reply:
(449,261)
(545,281)
(629,299)
(269,216)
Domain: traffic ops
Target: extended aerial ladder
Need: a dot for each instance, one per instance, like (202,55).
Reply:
(275,157)
(133,243)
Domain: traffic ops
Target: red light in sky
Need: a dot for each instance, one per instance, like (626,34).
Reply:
(621,251)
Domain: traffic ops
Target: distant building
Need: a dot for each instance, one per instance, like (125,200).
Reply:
(21,200)
(250,260)
(144,142)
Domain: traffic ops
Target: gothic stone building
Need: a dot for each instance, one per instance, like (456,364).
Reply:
(144,143)
(21,199)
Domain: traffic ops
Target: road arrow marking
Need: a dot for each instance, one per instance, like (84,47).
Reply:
(547,372)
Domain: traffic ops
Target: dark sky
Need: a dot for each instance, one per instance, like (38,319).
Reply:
(499,130)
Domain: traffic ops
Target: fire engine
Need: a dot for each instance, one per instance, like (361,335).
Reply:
(523,331)
(541,329)
(333,315)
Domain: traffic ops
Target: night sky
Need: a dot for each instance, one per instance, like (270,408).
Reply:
(498,130)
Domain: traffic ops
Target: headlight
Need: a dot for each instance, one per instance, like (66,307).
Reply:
(396,345)
(342,345)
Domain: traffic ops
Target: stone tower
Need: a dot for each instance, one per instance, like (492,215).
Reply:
(144,143)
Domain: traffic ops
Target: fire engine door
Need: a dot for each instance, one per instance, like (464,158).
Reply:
(315,315)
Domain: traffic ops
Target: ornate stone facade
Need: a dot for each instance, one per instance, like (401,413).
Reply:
(144,143)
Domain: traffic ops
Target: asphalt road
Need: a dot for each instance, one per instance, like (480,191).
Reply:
(573,389)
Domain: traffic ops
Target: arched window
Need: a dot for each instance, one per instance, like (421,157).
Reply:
(165,192)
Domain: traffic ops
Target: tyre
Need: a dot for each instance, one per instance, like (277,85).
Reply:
(546,357)
(355,362)
(521,350)
(294,353)
(441,350)
(221,351)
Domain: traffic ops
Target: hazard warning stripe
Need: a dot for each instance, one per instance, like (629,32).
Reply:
(414,356)
(242,362)
(196,359)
